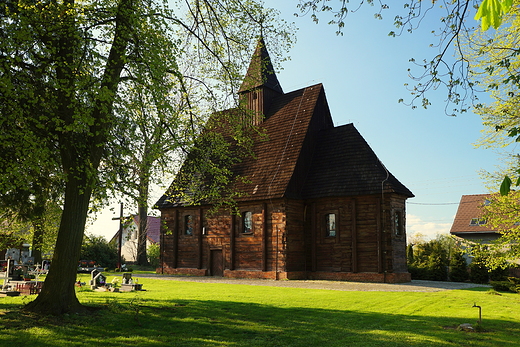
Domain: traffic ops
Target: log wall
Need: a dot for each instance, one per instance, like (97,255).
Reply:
(289,240)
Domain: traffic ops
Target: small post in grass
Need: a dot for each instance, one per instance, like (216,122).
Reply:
(479,313)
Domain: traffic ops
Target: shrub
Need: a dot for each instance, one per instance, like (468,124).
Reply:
(499,274)
(419,272)
(478,272)
(458,268)
(97,248)
(436,267)
(153,252)
(501,286)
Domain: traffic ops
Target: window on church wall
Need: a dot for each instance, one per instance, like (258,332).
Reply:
(330,225)
(398,223)
(188,224)
(247,222)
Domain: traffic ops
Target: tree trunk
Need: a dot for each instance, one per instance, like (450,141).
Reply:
(37,242)
(142,258)
(38,223)
(58,295)
(80,152)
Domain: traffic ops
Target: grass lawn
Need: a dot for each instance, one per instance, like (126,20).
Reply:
(171,313)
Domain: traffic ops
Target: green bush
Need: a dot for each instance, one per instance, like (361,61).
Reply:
(436,267)
(499,274)
(98,249)
(458,268)
(479,272)
(501,286)
(153,252)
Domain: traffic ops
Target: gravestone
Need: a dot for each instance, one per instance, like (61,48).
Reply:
(97,279)
(6,266)
(129,284)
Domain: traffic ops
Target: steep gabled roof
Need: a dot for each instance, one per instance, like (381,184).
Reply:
(286,125)
(344,165)
(302,155)
(260,72)
(470,210)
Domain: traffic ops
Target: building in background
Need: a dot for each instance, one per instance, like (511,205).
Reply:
(130,234)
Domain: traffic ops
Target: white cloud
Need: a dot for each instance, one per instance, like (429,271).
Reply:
(416,226)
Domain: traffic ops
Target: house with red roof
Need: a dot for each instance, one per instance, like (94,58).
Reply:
(130,235)
(317,202)
(469,222)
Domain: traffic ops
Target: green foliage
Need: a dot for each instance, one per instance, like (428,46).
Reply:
(429,260)
(80,81)
(458,267)
(501,213)
(98,249)
(409,254)
(437,268)
(492,11)
(511,284)
(154,254)
(478,270)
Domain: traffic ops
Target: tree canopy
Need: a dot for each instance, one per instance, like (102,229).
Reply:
(69,70)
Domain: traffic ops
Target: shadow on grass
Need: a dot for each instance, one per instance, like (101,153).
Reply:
(223,323)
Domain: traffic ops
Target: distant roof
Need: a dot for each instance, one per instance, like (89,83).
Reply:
(468,215)
(154,228)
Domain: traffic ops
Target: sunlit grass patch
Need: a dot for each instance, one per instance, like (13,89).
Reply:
(212,314)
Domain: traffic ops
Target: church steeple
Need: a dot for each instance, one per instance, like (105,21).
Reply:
(260,84)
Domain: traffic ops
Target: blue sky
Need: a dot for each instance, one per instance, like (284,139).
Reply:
(363,73)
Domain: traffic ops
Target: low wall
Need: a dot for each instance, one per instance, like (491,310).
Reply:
(400,277)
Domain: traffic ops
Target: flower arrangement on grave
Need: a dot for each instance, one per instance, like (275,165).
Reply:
(115,282)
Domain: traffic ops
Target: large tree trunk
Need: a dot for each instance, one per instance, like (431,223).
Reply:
(142,258)
(81,154)
(38,223)
(58,295)
(37,242)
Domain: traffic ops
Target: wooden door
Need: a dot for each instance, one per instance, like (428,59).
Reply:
(217,260)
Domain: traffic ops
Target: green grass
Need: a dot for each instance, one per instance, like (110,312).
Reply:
(171,313)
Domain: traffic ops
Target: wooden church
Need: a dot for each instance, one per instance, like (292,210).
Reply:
(318,203)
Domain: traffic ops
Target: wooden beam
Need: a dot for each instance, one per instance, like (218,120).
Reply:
(264,237)
(379,232)
(314,238)
(232,243)
(199,239)
(175,235)
(354,236)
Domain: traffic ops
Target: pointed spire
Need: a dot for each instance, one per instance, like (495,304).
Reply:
(260,72)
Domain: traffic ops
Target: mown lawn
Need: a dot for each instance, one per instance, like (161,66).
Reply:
(171,313)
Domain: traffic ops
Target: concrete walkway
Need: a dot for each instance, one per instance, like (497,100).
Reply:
(414,286)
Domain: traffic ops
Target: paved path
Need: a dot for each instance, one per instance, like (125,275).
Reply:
(414,286)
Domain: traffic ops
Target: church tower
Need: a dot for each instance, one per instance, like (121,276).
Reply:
(260,85)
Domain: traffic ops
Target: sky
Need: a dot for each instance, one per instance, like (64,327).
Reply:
(364,73)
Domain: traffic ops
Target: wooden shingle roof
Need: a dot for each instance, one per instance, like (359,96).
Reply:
(468,210)
(303,155)
(343,164)
(287,125)
(260,72)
